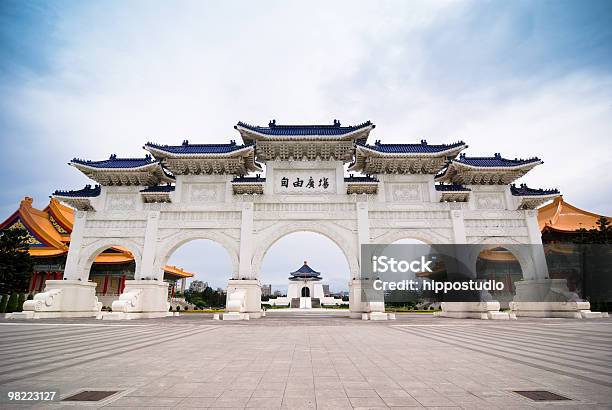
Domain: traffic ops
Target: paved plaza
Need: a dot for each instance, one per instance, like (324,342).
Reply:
(324,360)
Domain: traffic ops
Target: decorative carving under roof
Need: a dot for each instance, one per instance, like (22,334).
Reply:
(420,158)
(453,193)
(494,170)
(79,199)
(304,142)
(197,159)
(532,198)
(158,193)
(123,171)
(248,185)
(361,184)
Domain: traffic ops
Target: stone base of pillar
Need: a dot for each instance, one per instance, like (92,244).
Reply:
(243,300)
(62,298)
(473,310)
(549,298)
(141,299)
(236,316)
(357,306)
(378,316)
(571,310)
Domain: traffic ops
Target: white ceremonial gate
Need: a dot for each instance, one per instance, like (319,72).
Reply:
(153,205)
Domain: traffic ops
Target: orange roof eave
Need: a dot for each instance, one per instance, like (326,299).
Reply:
(173,270)
(559,216)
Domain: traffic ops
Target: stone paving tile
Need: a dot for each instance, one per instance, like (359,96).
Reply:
(298,403)
(129,401)
(367,402)
(339,363)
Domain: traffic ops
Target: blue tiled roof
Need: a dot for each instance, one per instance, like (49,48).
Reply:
(114,162)
(88,192)
(422,148)
(187,148)
(495,161)
(366,178)
(305,272)
(524,190)
(451,188)
(159,188)
(256,178)
(289,130)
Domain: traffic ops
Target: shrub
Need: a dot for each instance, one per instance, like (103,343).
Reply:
(170,308)
(3,303)
(178,308)
(12,304)
(20,301)
(30,296)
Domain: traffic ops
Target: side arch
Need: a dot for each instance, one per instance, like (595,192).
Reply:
(525,259)
(172,243)
(347,242)
(91,251)
(394,235)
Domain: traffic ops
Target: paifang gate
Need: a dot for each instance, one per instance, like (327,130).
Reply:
(321,178)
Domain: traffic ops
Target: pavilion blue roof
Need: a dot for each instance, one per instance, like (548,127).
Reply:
(305,272)
(114,162)
(495,161)
(366,178)
(256,178)
(159,188)
(87,192)
(451,188)
(422,148)
(524,190)
(187,148)
(290,130)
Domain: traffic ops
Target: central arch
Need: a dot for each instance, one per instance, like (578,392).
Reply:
(347,242)
(174,242)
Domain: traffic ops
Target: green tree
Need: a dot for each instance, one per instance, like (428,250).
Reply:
(602,233)
(16,264)
(20,301)
(3,303)
(13,303)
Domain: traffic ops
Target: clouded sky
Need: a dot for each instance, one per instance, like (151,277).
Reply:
(88,79)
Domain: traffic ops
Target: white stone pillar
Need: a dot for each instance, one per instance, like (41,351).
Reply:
(245,269)
(149,250)
(363,227)
(537,249)
(458,223)
(71,271)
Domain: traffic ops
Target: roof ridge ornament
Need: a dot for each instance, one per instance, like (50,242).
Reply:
(272,123)
(185,143)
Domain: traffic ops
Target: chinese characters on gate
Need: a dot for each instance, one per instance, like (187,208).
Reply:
(311,183)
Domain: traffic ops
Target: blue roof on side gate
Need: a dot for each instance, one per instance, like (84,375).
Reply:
(114,162)
(422,148)
(88,192)
(495,161)
(187,148)
(159,188)
(524,190)
(451,188)
(289,130)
